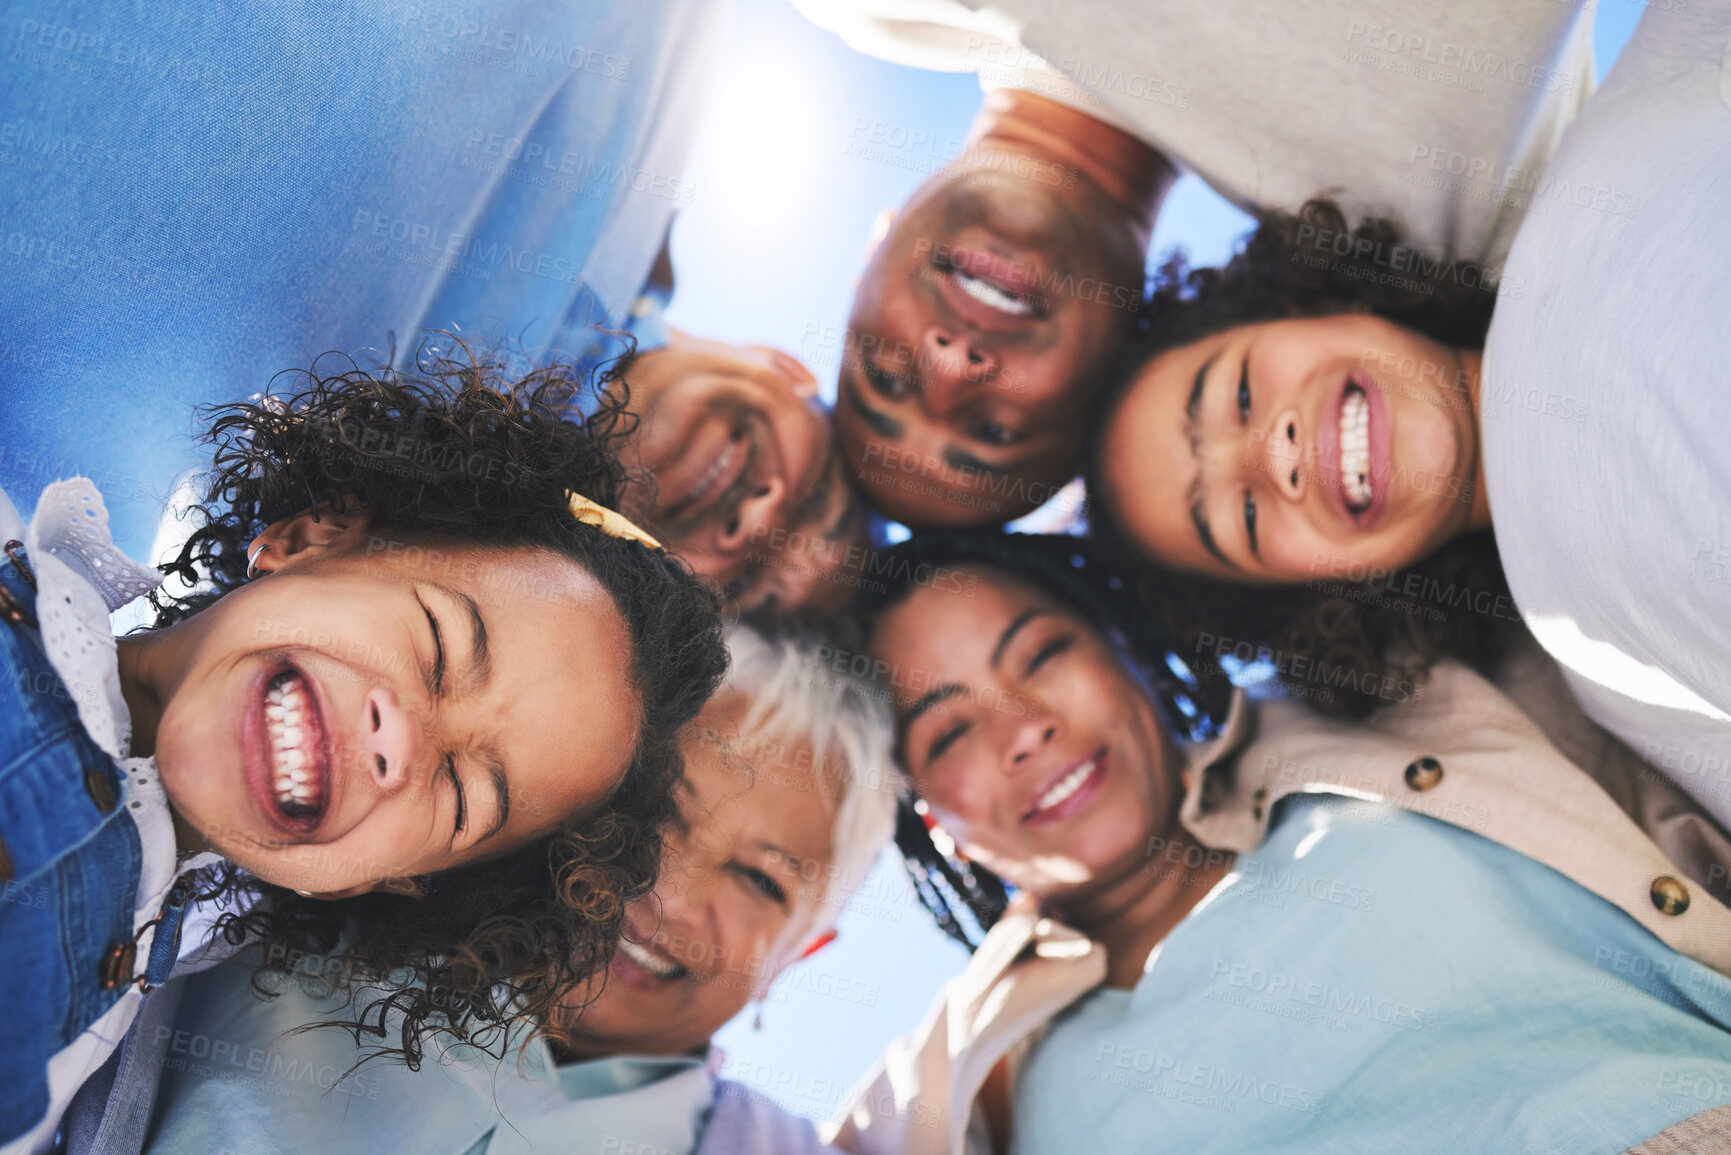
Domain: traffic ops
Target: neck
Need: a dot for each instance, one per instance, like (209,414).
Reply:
(1131,174)
(149,670)
(1479,512)
(1131,916)
(140,658)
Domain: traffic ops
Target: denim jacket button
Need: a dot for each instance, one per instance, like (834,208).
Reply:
(117,963)
(100,789)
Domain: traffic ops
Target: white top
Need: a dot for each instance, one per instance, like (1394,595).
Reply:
(80,580)
(1606,404)
(1440,114)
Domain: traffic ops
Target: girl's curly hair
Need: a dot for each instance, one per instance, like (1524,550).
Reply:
(1340,644)
(459,449)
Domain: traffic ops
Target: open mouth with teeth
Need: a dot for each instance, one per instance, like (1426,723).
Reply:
(973,274)
(1070,791)
(648,965)
(1355,472)
(295,758)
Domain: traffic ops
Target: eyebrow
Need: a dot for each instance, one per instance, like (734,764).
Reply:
(881,424)
(1193,496)
(480,661)
(932,698)
(1011,630)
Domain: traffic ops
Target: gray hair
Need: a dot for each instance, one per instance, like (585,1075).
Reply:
(794,697)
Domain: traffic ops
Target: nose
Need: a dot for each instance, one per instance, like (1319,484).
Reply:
(949,363)
(757,513)
(1028,736)
(1283,454)
(390,739)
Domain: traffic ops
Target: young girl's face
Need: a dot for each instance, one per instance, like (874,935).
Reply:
(1295,449)
(367,710)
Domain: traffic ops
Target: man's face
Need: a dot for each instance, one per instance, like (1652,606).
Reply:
(991,303)
(748,488)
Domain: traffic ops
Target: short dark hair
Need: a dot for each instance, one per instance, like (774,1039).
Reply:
(460,447)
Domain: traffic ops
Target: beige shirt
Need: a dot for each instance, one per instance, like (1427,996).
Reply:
(1464,753)
(1443,115)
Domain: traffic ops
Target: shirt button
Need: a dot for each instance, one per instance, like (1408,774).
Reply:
(1669,895)
(100,789)
(1424,774)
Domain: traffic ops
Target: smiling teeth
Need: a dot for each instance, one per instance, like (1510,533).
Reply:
(648,960)
(1355,449)
(287,723)
(1065,787)
(989,294)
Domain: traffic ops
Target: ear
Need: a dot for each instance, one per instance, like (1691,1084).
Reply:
(406,887)
(306,534)
(881,226)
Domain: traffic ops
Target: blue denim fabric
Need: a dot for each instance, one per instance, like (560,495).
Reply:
(75,869)
(196,197)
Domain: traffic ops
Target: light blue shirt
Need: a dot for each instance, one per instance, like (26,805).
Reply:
(235,1079)
(1371,980)
(196,197)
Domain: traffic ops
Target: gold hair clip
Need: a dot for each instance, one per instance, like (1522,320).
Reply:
(608,521)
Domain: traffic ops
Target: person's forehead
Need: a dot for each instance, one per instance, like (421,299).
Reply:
(754,787)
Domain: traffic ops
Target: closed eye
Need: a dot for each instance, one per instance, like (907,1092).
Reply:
(462,818)
(1049,651)
(1244,390)
(1250,521)
(435,680)
(763,883)
(886,385)
(945,740)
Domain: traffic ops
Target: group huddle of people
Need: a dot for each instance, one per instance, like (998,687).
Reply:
(519,687)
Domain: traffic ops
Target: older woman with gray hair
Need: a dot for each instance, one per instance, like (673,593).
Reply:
(789,795)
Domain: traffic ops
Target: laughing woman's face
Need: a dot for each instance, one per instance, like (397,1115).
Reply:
(1029,740)
(743,881)
(1298,449)
(370,709)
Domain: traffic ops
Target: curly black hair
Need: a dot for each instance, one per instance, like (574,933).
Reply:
(461,448)
(1342,644)
(966,899)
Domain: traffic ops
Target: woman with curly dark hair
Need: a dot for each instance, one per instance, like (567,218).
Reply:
(1291,457)
(1439,889)
(416,708)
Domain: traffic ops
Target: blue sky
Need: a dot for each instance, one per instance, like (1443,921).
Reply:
(768,252)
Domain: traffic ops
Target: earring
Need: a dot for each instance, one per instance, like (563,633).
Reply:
(252,560)
(757,1019)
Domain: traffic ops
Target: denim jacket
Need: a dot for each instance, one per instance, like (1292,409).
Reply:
(71,859)
(89,901)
